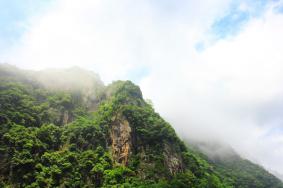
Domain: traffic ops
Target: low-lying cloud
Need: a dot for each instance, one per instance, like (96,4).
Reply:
(227,89)
(231,92)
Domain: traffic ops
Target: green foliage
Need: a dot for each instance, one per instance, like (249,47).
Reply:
(117,175)
(18,105)
(183,180)
(50,135)
(54,139)
(125,92)
(238,172)
(83,134)
(27,105)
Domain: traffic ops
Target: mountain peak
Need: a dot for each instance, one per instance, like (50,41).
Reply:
(64,128)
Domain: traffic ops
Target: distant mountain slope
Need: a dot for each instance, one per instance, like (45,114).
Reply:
(232,168)
(91,135)
(74,80)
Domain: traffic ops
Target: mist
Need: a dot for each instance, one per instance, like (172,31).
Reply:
(211,85)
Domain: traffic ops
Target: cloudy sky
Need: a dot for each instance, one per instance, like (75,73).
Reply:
(214,69)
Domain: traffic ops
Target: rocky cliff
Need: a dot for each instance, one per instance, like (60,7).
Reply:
(61,137)
(121,140)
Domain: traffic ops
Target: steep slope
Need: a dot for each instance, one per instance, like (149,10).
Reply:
(75,80)
(232,168)
(82,84)
(61,137)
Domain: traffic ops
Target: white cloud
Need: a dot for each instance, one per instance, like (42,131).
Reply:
(220,92)
(110,37)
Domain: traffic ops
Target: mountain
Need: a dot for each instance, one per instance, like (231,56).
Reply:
(64,128)
(232,168)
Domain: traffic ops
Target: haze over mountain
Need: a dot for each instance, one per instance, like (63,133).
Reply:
(213,69)
(62,136)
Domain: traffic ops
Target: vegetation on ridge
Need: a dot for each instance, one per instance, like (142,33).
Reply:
(51,138)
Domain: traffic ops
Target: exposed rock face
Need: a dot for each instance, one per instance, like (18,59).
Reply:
(173,160)
(65,118)
(121,145)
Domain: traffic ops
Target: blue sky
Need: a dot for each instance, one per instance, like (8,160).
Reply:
(222,59)
(15,16)
(237,16)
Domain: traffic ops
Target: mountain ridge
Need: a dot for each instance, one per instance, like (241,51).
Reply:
(60,137)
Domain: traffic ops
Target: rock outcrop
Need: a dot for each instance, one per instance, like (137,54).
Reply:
(173,160)
(121,141)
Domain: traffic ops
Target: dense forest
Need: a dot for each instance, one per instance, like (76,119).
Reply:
(65,128)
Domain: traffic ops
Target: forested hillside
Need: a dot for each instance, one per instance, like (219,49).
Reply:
(91,135)
(231,168)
